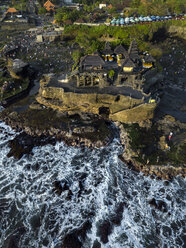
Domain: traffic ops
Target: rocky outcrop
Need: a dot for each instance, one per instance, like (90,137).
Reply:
(116,107)
(129,157)
(44,126)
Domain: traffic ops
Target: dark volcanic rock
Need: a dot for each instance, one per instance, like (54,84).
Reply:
(24,143)
(96,244)
(158,204)
(74,239)
(60,186)
(13,240)
(104,230)
(117,217)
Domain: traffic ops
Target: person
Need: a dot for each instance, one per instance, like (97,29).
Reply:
(170,135)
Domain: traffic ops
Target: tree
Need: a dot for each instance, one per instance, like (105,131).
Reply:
(111,74)
(42,11)
(135,3)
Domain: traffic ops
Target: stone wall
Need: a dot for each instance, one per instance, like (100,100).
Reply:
(16,26)
(117,108)
(137,114)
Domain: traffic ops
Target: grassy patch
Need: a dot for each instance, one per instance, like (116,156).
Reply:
(177,154)
(144,142)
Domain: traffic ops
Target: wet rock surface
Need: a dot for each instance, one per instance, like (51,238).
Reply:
(158,204)
(13,240)
(24,143)
(45,126)
(76,238)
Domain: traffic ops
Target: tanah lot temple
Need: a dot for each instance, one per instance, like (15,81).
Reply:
(108,83)
(117,67)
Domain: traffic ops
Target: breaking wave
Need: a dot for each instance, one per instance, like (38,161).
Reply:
(101,191)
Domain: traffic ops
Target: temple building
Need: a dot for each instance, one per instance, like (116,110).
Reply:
(93,70)
(128,65)
(148,61)
(49,6)
(91,62)
(107,52)
(11,12)
(121,53)
(134,52)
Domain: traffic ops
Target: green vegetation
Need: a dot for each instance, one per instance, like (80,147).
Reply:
(158,7)
(76,55)
(93,38)
(42,11)
(65,14)
(148,7)
(145,143)
(111,74)
(20,5)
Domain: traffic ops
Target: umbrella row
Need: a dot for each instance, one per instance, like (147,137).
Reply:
(133,20)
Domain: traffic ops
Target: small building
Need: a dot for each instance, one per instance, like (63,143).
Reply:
(148,61)
(108,52)
(121,53)
(11,12)
(128,65)
(49,6)
(110,6)
(68,1)
(91,62)
(91,71)
(102,5)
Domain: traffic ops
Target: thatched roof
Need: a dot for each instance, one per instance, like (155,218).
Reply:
(133,50)
(91,60)
(133,46)
(148,58)
(120,50)
(107,49)
(128,63)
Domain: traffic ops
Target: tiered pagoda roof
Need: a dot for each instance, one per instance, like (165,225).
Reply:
(148,58)
(107,50)
(121,50)
(133,50)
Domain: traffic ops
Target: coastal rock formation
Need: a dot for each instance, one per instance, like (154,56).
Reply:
(43,126)
(131,156)
(117,107)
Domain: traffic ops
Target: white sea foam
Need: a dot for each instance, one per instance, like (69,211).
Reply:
(99,183)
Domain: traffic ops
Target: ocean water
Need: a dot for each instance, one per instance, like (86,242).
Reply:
(101,190)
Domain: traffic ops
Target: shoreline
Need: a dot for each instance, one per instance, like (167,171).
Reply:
(166,171)
(30,137)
